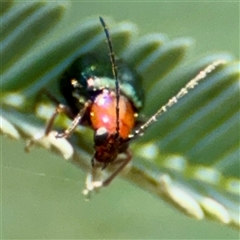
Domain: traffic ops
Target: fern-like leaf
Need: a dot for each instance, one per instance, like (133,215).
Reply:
(190,157)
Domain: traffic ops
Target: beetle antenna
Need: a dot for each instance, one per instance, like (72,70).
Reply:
(114,71)
(190,85)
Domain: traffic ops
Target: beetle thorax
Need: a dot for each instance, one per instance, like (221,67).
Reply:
(103,114)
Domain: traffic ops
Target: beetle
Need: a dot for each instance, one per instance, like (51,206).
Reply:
(105,94)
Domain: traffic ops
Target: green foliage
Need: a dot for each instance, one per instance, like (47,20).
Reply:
(189,157)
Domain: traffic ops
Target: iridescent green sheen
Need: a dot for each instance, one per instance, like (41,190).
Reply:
(99,69)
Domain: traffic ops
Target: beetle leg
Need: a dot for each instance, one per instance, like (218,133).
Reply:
(59,109)
(128,158)
(75,122)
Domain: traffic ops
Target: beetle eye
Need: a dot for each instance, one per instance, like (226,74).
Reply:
(100,136)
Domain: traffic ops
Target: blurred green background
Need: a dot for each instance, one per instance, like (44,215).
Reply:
(41,192)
